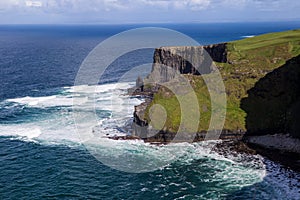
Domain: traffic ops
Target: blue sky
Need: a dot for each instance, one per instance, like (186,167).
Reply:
(145,11)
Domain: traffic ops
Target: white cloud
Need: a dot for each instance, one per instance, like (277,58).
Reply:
(199,4)
(8,4)
(234,3)
(65,5)
(101,5)
(33,4)
(158,3)
(114,4)
(176,4)
(173,4)
(110,5)
(146,10)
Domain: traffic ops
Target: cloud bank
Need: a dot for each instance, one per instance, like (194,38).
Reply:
(122,11)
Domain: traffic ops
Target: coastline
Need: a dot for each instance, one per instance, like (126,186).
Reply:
(281,148)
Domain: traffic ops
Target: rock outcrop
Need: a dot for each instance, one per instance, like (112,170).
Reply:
(217,52)
(195,60)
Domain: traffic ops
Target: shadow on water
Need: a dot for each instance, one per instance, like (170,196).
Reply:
(279,183)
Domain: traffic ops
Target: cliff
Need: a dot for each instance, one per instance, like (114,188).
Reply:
(262,82)
(273,104)
(248,67)
(217,52)
(167,60)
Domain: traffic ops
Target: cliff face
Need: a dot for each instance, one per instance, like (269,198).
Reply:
(272,105)
(193,60)
(218,52)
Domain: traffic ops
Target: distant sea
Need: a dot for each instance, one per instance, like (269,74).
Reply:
(41,156)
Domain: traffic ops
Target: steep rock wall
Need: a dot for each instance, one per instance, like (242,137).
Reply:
(273,104)
(196,60)
(218,52)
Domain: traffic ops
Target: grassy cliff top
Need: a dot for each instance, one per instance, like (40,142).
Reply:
(270,39)
(249,60)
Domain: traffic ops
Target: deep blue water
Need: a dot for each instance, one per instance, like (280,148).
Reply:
(41,158)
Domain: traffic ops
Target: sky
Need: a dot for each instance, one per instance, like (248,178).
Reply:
(145,11)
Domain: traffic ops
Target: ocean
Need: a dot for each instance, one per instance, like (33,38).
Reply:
(43,157)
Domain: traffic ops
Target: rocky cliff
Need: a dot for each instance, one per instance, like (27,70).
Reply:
(262,80)
(217,52)
(260,77)
(193,60)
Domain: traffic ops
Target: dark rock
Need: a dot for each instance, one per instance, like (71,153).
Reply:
(127,137)
(218,52)
(288,159)
(195,60)
(232,146)
(140,84)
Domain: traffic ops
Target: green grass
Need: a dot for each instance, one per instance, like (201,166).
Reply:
(249,60)
(266,40)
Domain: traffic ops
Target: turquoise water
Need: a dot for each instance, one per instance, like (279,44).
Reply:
(42,156)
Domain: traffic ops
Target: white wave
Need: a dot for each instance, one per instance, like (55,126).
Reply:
(43,102)
(79,95)
(248,36)
(32,101)
(29,132)
(60,126)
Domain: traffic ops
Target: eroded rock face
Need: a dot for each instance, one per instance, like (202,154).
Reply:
(195,60)
(218,52)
